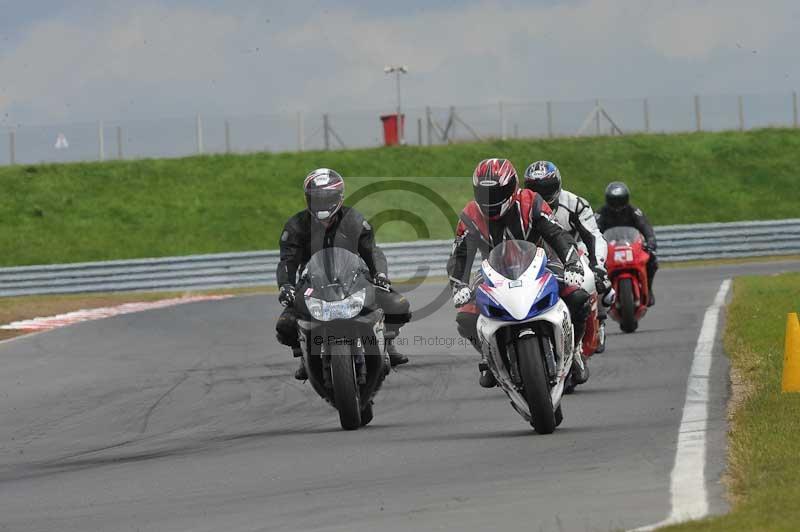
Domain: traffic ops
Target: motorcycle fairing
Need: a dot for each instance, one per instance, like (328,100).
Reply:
(500,298)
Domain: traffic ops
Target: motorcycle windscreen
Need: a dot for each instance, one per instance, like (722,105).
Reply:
(512,258)
(623,235)
(335,273)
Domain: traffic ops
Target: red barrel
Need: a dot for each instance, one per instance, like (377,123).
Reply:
(391,134)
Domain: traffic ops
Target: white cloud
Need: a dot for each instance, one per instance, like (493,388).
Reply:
(62,66)
(694,30)
(149,60)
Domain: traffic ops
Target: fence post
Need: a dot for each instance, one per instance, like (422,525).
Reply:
(326,132)
(301,132)
(12,146)
(794,109)
(516,131)
(119,142)
(419,131)
(697,120)
(429,124)
(199,132)
(741,114)
(646,111)
(101,141)
(502,122)
(550,119)
(452,135)
(227,136)
(597,117)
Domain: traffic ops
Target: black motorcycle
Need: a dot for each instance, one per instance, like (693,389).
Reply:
(341,333)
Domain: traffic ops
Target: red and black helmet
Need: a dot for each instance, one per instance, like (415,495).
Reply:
(324,190)
(495,184)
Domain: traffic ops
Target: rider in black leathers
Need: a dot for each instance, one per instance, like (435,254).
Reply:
(618,211)
(327,223)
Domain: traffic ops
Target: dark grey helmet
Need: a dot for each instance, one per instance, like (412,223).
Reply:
(324,190)
(617,195)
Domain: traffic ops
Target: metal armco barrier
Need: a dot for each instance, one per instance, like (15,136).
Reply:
(409,259)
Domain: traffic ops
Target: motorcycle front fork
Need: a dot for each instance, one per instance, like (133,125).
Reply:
(360,362)
(549,358)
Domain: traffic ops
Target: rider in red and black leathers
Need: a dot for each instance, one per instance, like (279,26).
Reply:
(618,211)
(495,216)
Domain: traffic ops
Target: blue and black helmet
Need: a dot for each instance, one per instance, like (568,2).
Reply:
(544,178)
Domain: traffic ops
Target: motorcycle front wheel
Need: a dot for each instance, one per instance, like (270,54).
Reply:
(627,308)
(537,389)
(345,386)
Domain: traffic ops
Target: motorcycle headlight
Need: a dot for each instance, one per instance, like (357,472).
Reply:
(347,308)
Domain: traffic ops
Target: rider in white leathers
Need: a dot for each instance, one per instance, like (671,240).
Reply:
(575,215)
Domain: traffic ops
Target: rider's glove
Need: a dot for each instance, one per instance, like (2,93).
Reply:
(461,296)
(382,282)
(601,282)
(286,295)
(573,274)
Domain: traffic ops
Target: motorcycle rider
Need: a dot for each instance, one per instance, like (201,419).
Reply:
(575,215)
(325,223)
(618,211)
(501,211)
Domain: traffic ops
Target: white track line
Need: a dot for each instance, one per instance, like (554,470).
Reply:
(42,324)
(688,480)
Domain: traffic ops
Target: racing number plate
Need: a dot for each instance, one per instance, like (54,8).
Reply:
(623,255)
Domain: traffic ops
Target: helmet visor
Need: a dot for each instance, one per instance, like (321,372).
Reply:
(617,201)
(546,188)
(493,198)
(323,203)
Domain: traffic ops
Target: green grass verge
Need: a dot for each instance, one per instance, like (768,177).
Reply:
(148,208)
(764,441)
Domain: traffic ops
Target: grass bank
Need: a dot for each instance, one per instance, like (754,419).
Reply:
(205,204)
(764,441)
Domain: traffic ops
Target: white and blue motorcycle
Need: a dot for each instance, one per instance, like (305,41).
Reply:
(525,331)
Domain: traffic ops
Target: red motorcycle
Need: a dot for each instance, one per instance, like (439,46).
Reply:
(627,270)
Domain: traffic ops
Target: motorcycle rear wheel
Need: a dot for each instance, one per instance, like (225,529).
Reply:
(627,308)
(345,387)
(537,389)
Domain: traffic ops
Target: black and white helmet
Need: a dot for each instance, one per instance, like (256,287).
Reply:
(324,190)
(544,178)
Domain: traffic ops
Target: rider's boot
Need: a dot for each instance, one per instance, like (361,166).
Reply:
(395,358)
(601,345)
(300,374)
(652,300)
(580,373)
(487,379)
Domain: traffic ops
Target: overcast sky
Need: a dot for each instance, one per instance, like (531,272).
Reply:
(63,62)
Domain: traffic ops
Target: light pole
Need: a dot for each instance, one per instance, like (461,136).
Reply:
(397,70)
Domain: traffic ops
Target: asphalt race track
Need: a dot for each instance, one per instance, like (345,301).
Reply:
(188,418)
